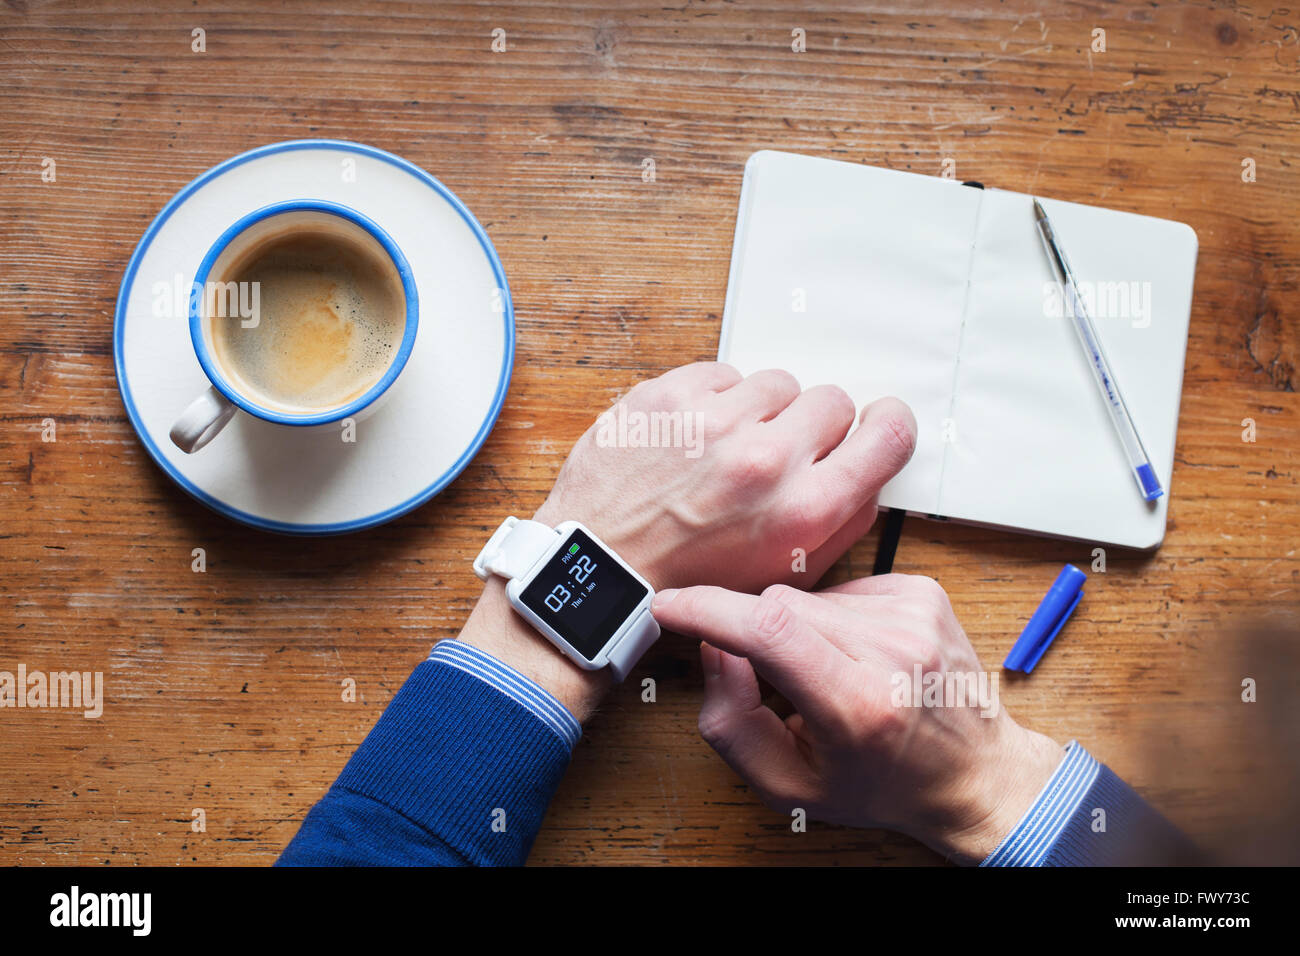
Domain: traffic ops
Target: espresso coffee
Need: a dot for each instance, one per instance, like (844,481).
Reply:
(330,320)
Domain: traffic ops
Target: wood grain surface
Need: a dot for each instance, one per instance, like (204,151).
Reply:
(223,688)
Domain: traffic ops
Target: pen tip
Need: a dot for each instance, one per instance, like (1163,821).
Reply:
(1038,211)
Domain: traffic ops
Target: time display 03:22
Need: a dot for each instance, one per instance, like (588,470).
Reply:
(584,594)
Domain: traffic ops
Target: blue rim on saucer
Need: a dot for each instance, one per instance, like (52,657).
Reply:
(256,521)
(408,286)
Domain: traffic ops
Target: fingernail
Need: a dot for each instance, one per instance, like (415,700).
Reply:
(662,598)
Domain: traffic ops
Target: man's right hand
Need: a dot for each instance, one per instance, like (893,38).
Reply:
(958,778)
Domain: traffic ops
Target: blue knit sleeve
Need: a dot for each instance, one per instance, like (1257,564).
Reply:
(1087,816)
(458,771)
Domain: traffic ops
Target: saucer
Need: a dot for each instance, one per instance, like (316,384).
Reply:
(435,417)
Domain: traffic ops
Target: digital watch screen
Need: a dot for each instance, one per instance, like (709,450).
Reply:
(583,593)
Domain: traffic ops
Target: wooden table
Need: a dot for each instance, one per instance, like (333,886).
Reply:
(224,687)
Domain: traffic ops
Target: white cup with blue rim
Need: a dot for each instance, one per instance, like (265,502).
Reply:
(218,298)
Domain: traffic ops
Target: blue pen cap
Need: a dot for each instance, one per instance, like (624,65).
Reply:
(1151,489)
(1054,610)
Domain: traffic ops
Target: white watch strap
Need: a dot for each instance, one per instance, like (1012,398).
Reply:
(634,643)
(519,544)
(514,548)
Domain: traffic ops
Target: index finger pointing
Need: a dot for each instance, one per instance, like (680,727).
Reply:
(800,663)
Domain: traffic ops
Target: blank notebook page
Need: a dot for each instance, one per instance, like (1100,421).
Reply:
(890,283)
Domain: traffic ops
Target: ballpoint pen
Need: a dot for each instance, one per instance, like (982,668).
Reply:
(1101,373)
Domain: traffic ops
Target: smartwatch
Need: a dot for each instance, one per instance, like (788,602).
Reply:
(573,589)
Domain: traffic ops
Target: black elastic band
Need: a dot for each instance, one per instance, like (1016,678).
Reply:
(888,545)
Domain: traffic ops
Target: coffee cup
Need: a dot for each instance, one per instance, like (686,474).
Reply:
(303,314)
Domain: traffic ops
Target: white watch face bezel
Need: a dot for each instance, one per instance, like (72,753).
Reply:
(516,586)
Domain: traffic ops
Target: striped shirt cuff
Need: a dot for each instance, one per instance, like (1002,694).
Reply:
(1038,830)
(522,690)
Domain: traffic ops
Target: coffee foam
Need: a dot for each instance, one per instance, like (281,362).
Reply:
(331,320)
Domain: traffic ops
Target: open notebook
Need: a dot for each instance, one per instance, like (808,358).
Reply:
(892,283)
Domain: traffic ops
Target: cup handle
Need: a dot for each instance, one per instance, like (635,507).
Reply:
(200,423)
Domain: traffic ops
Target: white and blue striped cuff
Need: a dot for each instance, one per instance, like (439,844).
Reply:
(523,690)
(1038,830)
